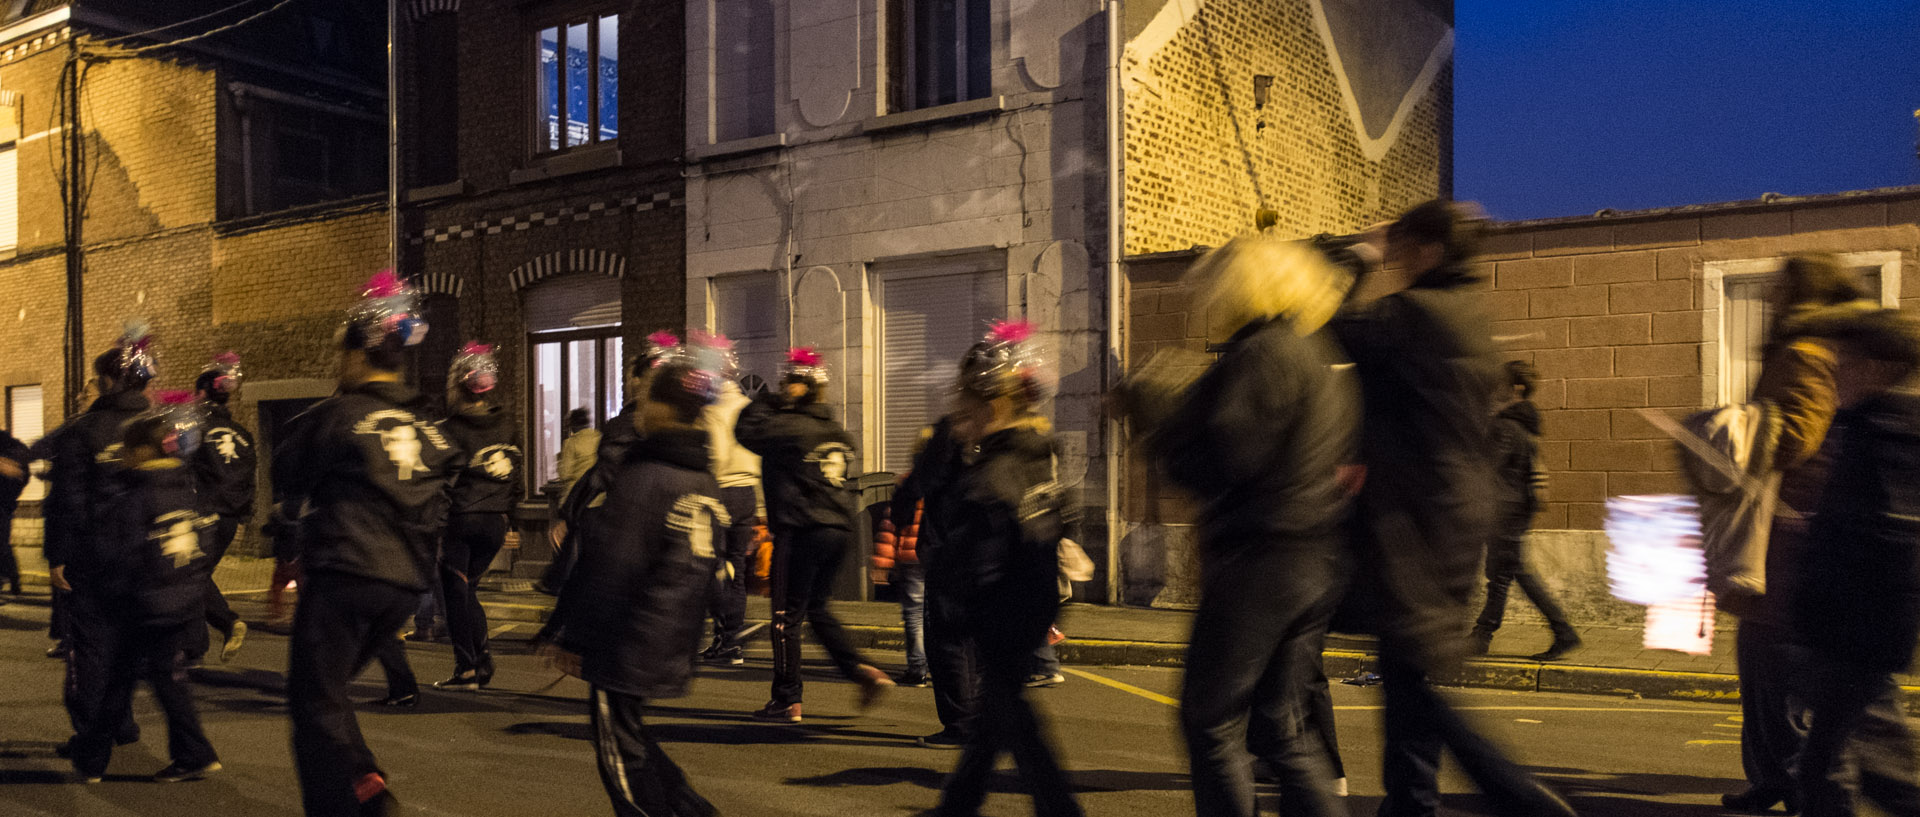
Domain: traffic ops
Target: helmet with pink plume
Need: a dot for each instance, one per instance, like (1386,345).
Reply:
(387,317)
(1008,362)
(474,369)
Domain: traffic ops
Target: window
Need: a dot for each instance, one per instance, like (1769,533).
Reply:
(938,52)
(926,323)
(743,75)
(1745,314)
(577,102)
(287,151)
(575,355)
(9,178)
(26,421)
(436,100)
(748,309)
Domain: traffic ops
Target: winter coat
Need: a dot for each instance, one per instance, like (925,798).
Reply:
(224,466)
(1516,433)
(373,476)
(635,607)
(84,455)
(1427,369)
(1259,437)
(807,462)
(917,499)
(1001,523)
(151,562)
(732,464)
(578,453)
(585,496)
(893,545)
(1859,597)
(488,478)
(12,449)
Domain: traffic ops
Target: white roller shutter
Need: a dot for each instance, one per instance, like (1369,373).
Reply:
(26,416)
(9,197)
(927,323)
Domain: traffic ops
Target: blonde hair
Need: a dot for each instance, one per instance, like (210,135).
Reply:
(1262,277)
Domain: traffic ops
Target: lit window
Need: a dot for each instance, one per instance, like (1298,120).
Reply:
(939,52)
(26,421)
(577,102)
(9,178)
(574,346)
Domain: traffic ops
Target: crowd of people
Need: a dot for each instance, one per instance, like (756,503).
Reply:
(1358,446)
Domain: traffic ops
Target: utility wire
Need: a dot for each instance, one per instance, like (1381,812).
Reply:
(134,52)
(208,15)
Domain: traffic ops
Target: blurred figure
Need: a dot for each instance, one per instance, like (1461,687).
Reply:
(224,467)
(1799,363)
(15,458)
(484,489)
(737,471)
(1261,439)
(952,663)
(1424,355)
(896,561)
(1516,449)
(1858,604)
(579,451)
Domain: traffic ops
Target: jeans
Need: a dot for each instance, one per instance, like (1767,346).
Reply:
(1774,718)
(728,602)
(342,623)
(1506,566)
(804,564)
(640,779)
(911,581)
(136,654)
(220,615)
(1007,723)
(1857,717)
(1419,723)
(472,540)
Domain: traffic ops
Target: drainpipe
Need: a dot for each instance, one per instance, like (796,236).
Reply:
(1116,203)
(393,135)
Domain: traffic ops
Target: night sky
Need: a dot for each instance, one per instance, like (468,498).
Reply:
(1565,107)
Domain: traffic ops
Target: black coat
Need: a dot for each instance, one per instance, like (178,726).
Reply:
(373,477)
(150,560)
(84,455)
(224,465)
(1427,369)
(1001,517)
(488,478)
(1516,431)
(806,464)
(12,449)
(1859,597)
(635,607)
(934,466)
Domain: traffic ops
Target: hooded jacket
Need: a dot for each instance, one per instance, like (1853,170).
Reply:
(224,465)
(1516,431)
(732,464)
(916,501)
(489,472)
(151,554)
(12,449)
(635,607)
(807,463)
(1001,526)
(1427,369)
(84,456)
(373,477)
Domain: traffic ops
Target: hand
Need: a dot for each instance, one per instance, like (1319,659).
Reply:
(11,469)
(557,534)
(555,657)
(59,575)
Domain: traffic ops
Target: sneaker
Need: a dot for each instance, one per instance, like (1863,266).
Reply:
(1479,642)
(84,777)
(235,640)
(464,679)
(410,700)
(873,684)
(731,656)
(918,679)
(177,773)
(712,650)
(943,739)
(1563,643)
(1340,787)
(773,712)
(59,651)
(1045,679)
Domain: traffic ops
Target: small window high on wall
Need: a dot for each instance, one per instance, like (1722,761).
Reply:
(938,52)
(575,355)
(576,82)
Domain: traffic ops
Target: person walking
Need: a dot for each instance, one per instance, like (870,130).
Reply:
(483,492)
(952,662)
(224,467)
(15,459)
(896,562)
(737,471)
(579,451)
(1005,519)
(1261,438)
(1516,434)
(1418,336)
(372,474)
(807,459)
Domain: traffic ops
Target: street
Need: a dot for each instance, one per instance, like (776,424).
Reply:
(515,749)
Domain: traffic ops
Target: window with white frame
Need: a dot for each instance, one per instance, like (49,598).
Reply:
(1746,315)
(576,82)
(575,355)
(749,310)
(928,318)
(9,178)
(938,52)
(743,69)
(26,421)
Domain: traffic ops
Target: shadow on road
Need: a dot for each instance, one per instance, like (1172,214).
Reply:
(1085,781)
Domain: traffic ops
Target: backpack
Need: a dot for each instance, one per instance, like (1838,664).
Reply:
(1727,455)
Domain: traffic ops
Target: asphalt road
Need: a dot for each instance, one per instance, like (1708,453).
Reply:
(521,747)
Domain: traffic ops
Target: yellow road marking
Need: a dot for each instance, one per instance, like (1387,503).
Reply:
(1159,698)
(1713,742)
(1122,686)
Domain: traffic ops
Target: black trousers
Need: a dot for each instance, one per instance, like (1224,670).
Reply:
(728,602)
(135,654)
(1773,716)
(220,615)
(342,623)
(804,564)
(92,632)
(951,660)
(9,564)
(1252,658)
(1419,723)
(472,540)
(1857,717)
(1507,566)
(1006,723)
(640,779)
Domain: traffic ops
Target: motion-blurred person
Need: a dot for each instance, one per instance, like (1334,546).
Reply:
(372,474)
(223,469)
(1004,520)
(1424,355)
(1261,439)
(1798,367)
(951,660)
(15,459)
(1516,433)
(807,459)
(896,560)
(1858,605)
(579,451)
(737,471)
(147,567)
(482,494)
(628,621)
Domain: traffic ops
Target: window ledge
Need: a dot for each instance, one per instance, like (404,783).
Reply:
(581,160)
(736,147)
(429,192)
(934,115)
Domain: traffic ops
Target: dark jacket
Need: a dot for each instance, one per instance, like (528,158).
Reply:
(1859,600)
(150,560)
(1516,433)
(1259,437)
(1001,523)
(373,477)
(488,478)
(806,461)
(635,607)
(1426,366)
(12,449)
(224,464)
(83,457)
(916,501)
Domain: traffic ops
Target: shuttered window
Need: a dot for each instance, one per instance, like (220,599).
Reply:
(26,421)
(926,324)
(748,309)
(1746,318)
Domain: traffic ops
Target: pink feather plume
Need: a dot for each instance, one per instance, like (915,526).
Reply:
(711,340)
(1012,331)
(227,358)
(803,356)
(171,397)
(384,284)
(663,339)
(475,347)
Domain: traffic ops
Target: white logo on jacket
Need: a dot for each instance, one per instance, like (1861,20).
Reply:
(496,461)
(227,443)
(400,436)
(179,536)
(832,461)
(695,515)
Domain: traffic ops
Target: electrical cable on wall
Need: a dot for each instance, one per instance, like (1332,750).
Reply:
(209,15)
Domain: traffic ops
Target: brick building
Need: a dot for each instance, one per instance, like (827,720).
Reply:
(233,193)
